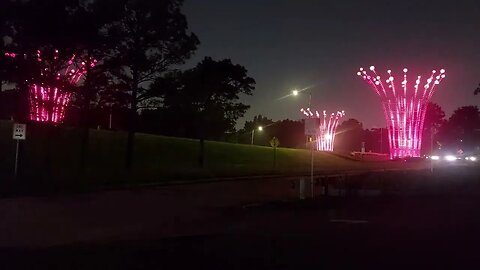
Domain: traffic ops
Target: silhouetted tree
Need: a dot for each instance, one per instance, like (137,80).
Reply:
(48,25)
(5,35)
(88,19)
(376,140)
(350,136)
(477,91)
(462,129)
(204,101)
(290,133)
(8,100)
(434,119)
(258,120)
(150,39)
(245,134)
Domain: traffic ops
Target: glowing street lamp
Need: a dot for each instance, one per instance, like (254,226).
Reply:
(260,128)
(295,92)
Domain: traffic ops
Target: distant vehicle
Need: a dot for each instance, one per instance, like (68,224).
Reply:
(460,157)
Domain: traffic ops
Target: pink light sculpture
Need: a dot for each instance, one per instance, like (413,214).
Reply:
(326,132)
(49,88)
(404,108)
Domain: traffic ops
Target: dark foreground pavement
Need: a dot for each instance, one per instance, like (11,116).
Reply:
(434,226)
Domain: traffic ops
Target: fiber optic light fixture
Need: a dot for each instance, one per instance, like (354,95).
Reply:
(404,106)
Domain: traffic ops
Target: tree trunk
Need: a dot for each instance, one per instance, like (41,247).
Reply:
(132,122)
(85,134)
(130,146)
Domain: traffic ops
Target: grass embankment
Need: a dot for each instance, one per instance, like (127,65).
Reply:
(55,158)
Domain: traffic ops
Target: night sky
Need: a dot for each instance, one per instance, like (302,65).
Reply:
(288,44)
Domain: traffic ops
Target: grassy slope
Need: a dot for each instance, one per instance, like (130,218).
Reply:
(156,157)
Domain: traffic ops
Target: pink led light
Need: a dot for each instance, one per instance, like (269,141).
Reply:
(405,111)
(48,97)
(48,104)
(325,136)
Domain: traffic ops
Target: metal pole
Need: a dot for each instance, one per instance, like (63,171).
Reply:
(310,100)
(311,148)
(253,135)
(16,161)
(431,149)
(311,169)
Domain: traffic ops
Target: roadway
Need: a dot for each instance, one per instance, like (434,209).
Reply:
(246,224)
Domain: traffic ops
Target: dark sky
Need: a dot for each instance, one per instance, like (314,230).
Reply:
(287,44)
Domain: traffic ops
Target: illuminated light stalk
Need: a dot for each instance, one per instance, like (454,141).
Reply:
(48,104)
(404,110)
(325,137)
(48,93)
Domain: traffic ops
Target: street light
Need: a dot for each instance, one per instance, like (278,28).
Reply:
(260,128)
(296,93)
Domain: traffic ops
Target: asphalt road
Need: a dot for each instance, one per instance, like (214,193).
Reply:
(245,225)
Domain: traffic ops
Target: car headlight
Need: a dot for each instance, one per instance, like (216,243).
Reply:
(471,158)
(435,157)
(450,158)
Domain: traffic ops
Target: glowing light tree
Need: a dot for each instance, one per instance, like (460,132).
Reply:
(327,127)
(404,107)
(50,86)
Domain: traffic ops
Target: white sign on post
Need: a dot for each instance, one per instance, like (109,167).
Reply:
(311,126)
(19,131)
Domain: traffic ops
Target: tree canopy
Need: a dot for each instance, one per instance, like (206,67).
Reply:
(463,128)
(258,120)
(149,39)
(204,100)
(434,121)
(349,136)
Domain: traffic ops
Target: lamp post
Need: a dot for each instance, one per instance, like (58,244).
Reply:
(432,130)
(312,142)
(296,93)
(260,128)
